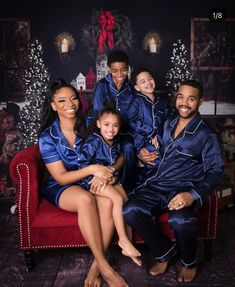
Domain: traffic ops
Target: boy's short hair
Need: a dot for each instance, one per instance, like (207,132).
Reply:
(118,56)
(137,71)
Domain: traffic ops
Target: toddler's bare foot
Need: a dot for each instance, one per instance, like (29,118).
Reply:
(187,275)
(159,268)
(128,248)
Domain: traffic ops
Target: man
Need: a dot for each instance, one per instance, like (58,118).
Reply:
(190,169)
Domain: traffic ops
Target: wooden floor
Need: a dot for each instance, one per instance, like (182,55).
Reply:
(67,268)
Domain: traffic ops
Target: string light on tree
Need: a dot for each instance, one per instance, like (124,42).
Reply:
(36,80)
(181,66)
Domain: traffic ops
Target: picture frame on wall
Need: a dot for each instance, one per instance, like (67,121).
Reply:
(212,55)
(212,44)
(14,39)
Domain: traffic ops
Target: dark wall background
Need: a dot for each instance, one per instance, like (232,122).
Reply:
(170,18)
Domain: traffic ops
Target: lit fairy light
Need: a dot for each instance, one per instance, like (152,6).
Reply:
(36,81)
(181,66)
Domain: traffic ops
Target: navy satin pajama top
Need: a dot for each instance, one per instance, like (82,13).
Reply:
(96,151)
(191,162)
(106,91)
(54,147)
(146,119)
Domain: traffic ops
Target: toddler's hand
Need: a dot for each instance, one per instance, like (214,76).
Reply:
(155,142)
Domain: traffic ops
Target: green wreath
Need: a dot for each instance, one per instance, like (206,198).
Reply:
(107,31)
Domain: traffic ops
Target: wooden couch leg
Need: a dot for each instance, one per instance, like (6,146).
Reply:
(29,259)
(208,248)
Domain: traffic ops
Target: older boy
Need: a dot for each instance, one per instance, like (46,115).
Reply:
(115,88)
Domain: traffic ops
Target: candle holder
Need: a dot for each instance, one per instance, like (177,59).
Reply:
(152,42)
(65,43)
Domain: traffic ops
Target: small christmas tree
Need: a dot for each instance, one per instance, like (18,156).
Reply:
(36,81)
(181,66)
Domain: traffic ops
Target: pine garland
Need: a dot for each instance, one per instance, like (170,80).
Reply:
(122,32)
(36,81)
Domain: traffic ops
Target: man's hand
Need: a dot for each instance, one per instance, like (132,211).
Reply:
(181,200)
(146,156)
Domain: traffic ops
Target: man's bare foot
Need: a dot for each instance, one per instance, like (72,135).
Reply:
(187,275)
(159,268)
(93,279)
(128,248)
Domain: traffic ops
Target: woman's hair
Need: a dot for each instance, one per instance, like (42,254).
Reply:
(108,109)
(48,115)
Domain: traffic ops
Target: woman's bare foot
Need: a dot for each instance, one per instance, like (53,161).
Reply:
(159,268)
(113,279)
(187,275)
(128,248)
(93,279)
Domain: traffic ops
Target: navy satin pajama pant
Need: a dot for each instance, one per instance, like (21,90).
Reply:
(129,168)
(141,213)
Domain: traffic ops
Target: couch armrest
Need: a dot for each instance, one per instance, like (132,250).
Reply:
(26,171)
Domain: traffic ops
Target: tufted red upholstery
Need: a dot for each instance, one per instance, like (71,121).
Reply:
(42,225)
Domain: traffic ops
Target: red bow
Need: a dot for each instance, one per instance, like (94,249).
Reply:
(106,20)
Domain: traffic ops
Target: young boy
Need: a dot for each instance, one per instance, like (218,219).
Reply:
(146,118)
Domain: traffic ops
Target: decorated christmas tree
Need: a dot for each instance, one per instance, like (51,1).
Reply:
(181,66)
(36,81)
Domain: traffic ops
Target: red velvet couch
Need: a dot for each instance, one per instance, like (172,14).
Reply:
(42,225)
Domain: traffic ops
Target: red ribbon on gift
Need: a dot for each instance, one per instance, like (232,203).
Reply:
(106,21)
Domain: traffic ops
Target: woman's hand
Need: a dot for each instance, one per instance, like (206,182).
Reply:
(104,172)
(98,184)
(113,180)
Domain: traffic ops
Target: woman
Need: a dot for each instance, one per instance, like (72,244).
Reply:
(60,142)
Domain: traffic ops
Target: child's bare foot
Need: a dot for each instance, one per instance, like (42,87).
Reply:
(128,248)
(187,275)
(159,268)
(136,260)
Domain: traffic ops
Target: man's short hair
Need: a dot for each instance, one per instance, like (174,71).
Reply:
(118,56)
(195,84)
